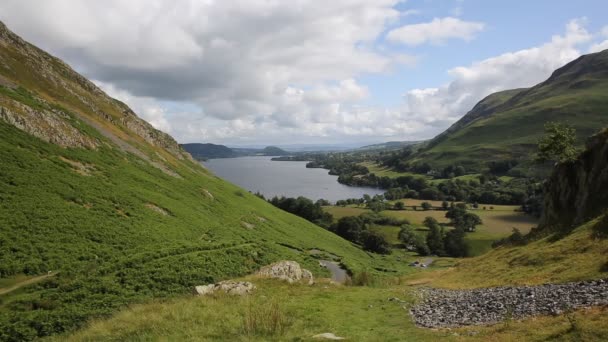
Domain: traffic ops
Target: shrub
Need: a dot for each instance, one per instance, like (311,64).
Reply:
(600,230)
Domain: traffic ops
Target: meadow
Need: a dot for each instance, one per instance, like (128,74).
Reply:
(498,222)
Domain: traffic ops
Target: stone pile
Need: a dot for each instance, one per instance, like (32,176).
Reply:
(452,308)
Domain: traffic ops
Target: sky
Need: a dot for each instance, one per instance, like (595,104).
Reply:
(248,72)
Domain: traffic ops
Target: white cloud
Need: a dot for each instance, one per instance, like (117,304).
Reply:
(270,71)
(523,68)
(603,45)
(436,31)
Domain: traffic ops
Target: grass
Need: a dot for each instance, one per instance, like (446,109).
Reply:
(365,313)
(359,313)
(497,222)
(126,231)
(576,257)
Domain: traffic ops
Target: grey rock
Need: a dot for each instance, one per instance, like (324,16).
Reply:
(289,271)
(229,286)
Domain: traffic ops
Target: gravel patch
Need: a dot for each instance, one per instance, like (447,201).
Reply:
(441,308)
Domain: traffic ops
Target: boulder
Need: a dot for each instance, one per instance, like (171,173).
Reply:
(289,271)
(328,336)
(229,286)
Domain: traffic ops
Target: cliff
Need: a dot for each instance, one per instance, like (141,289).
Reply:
(577,191)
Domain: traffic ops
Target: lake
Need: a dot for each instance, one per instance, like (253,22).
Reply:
(284,178)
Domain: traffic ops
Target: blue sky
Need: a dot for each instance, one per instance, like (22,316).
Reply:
(261,72)
(510,26)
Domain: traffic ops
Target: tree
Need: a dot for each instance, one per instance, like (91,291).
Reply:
(454,243)
(434,240)
(425,205)
(376,206)
(374,243)
(413,241)
(462,219)
(558,143)
(350,228)
(430,221)
(445,205)
(399,206)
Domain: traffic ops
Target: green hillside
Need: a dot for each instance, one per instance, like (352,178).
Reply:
(380,310)
(507,125)
(99,210)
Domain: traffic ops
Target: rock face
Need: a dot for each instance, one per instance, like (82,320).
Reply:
(573,194)
(229,286)
(453,308)
(287,270)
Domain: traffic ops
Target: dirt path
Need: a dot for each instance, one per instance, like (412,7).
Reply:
(25,283)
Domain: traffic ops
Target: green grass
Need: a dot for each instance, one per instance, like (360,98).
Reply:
(123,232)
(578,256)
(497,222)
(356,313)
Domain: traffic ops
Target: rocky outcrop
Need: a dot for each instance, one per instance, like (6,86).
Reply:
(575,193)
(50,126)
(60,81)
(231,287)
(453,308)
(289,271)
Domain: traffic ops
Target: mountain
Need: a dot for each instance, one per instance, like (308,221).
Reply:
(99,210)
(507,125)
(209,151)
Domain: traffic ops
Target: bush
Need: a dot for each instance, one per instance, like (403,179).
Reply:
(375,243)
(515,239)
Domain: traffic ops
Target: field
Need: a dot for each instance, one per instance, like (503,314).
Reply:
(497,222)
(277,311)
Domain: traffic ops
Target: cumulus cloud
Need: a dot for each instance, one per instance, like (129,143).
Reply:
(272,71)
(523,68)
(437,31)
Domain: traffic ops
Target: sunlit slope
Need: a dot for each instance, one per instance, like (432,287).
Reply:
(507,125)
(114,208)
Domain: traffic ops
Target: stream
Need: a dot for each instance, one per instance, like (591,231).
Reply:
(338,274)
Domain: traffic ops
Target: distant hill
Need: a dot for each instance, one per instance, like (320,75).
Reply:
(209,151)
(507,125)
(273,151)
(390,145)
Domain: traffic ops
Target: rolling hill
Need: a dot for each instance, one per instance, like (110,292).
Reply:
(507,125)
(99,210)
(209,151)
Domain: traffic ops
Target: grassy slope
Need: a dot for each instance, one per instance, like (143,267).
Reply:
(577,95)
(125,232)
(577,256)
(366,314)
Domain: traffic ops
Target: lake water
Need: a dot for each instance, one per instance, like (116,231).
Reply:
(284,178)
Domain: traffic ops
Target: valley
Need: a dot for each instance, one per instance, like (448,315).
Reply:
(496,229)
